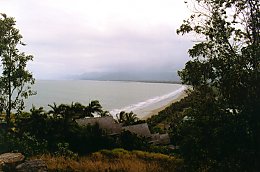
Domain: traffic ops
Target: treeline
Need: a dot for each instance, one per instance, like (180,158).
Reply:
(217,127)
(56,132)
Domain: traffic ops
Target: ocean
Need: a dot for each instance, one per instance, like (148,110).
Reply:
(114,96)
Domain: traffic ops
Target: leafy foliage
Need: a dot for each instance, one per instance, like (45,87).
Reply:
(15,80)
(58,127)
(221,131)
(25,143)
(131,141)
(128,118)
(63,136)
(171,114)
(77,110)
(63,150)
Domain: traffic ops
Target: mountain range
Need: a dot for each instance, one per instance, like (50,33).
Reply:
(131,76)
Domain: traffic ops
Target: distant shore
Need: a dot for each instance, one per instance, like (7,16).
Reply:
(152,81)
(144,81)
(157,110)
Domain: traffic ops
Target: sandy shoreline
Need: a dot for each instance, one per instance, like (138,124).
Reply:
(157,110)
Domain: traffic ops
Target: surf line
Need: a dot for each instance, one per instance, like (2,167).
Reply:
(148,102)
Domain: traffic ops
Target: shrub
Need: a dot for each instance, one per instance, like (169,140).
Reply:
(26,144)
(63,150)
(131,141)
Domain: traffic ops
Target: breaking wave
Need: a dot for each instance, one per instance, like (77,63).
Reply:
(149,102)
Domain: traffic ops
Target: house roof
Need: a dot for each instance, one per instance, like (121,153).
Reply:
(139,129)
(109,125)
(106,123)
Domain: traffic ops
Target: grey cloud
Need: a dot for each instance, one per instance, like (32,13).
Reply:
(64,44)
(84,53)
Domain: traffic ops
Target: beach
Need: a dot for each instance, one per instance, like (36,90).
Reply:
(114,96)
(157,110)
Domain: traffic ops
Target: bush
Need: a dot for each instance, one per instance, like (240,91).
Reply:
(26,144)
(63,150)
(131,141)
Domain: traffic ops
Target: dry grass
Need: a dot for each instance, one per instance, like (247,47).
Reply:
(117,160)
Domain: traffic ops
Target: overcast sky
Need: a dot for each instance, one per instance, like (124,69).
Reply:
(71,37)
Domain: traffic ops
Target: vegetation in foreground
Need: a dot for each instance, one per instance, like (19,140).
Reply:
(114,160)
(217,127)
(16,79)
(56,131)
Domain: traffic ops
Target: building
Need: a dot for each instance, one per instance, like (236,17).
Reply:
(139,129)
(107,123)
(111,127)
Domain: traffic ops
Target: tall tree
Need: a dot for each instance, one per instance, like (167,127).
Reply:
(223,126)
(16,80)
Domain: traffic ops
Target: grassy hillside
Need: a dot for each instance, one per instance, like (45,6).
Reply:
(115,160)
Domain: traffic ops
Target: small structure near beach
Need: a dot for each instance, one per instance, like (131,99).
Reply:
(111,127)
(107,123)
(139,129)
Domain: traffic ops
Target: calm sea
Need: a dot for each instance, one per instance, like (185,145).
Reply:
(114,96)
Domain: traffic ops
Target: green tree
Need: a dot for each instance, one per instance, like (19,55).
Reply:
(222,128)
(77,110)
(128,118)
(94,107)
(15,80)
(67,112)
(105,113)
(131,141)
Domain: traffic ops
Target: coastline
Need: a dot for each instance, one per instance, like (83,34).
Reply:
(142,81)
(157,110)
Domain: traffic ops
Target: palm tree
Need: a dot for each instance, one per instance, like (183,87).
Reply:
(94,107)
(121,117)
(54,109)
(105,113)
(78,110)
(131,118)
(66,112)
(127,118)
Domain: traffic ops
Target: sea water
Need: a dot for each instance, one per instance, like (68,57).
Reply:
(114,96)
